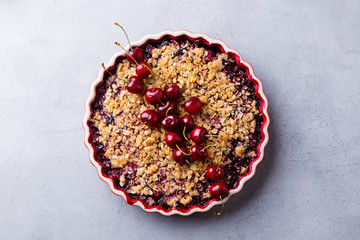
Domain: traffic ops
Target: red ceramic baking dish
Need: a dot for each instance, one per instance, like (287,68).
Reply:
(208,43)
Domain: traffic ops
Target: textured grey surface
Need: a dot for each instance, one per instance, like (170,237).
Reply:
(306,53)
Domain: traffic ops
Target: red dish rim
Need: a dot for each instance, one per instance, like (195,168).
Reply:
(259,93)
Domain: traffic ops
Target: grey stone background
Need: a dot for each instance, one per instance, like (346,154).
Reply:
(306,53)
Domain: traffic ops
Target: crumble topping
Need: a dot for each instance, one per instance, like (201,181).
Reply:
(239,151)
(145,164)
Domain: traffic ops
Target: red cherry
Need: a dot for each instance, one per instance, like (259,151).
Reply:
(150,118)
(198,153)
(172,91)
(136,54)
(157,195)
(198,134)
(215,172)
(193,106)
(170,123)
(143,70)
(135,85)
(172,139)
(179,155)
(163,109)
(219,189)
(154,95)
(188,122)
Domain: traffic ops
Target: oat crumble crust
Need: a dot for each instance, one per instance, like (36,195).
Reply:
(135,148)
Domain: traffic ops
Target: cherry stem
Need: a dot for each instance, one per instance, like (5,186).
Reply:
(218,165)
(185,134)
(125,34)
(211,135)
(222,207)
(103,66)
(219,162)
(155,75)
(127,53)
(197,169)
(152,73)
(153,95)
(161,79)
(208,147)
(167,111)
(220,157)
(187,154)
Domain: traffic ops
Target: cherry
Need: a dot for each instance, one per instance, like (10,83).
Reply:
(193,106)
(172,91)
(218,190)
(215,172)
(150,118)
(156,195)
(170,123)
(143,70)
(188,122)
(173,139)
(179,155)
(135,85)
(169,107)
(198,153)
(136,54)
(154,95)
(198,134)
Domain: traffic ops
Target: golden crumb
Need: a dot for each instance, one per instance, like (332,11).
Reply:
(239,151)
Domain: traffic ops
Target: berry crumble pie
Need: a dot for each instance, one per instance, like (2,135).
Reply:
(214,115)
